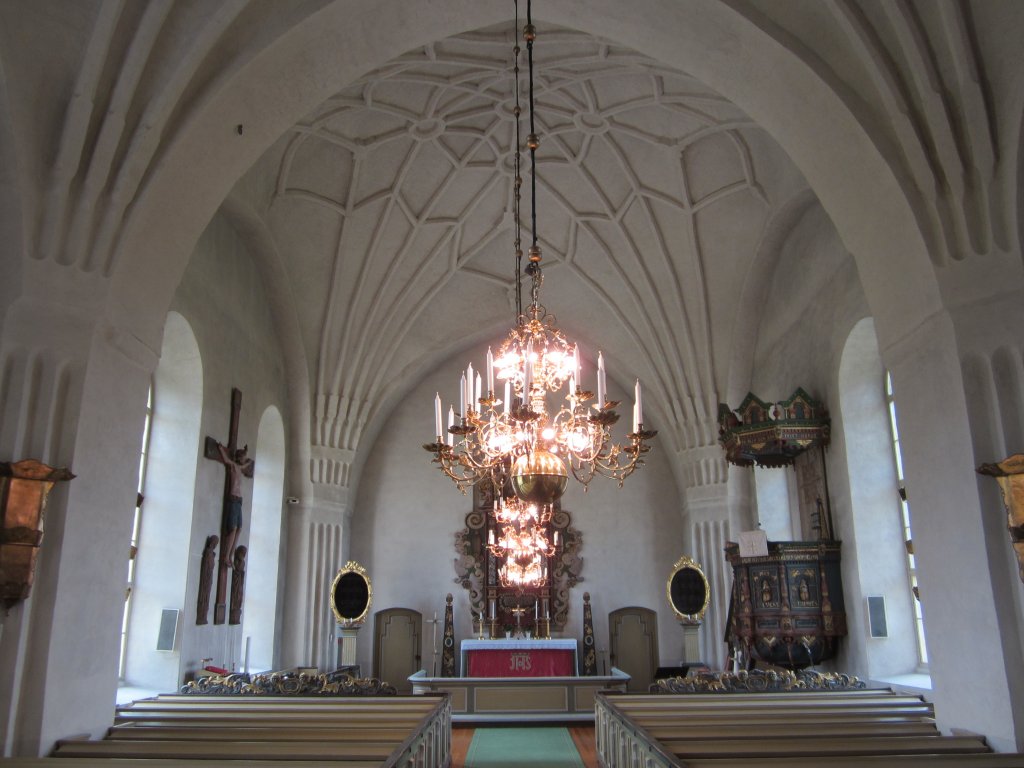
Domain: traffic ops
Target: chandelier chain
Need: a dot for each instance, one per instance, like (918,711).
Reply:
(530,34)
(517,181)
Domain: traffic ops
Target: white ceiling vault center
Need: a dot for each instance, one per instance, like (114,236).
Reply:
(393,203)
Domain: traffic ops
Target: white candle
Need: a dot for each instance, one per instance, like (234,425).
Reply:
(577,364)
(535,609)
(600,380)
(528,371)
(636,420)
(508,395)
(639,404)
(490,371)
(437,414)
(451,423)
(476,398)
(462,395)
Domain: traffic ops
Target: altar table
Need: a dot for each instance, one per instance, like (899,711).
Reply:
(519,658)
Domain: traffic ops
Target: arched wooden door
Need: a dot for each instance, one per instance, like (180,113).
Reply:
(633,645)
(397,634)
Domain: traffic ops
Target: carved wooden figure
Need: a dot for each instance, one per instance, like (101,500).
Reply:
(1010,475)
(236,465)
(206,579)
(237,584)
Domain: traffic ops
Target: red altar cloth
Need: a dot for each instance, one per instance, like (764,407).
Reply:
(539,662)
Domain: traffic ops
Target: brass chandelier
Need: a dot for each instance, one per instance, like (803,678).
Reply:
(523,542)
(521,442)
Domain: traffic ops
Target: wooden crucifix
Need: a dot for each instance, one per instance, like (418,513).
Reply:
(236,464)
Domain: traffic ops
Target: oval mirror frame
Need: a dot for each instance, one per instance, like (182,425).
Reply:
(686,575)
(351,594)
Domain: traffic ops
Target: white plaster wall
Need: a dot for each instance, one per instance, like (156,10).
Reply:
(813,301)
(223,298)
(407,513)
(773,502)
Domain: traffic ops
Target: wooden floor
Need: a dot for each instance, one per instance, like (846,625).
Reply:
(582,735)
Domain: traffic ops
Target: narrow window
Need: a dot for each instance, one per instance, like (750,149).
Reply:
(136,527)
(922,649)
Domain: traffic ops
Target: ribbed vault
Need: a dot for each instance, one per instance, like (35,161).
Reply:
(393,204)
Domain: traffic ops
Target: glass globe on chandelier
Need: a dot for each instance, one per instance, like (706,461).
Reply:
(520,441)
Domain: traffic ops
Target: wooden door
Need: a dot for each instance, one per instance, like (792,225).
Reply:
(633,645)
(397,634)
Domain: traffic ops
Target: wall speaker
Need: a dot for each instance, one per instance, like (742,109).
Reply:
(876,616)
(167,637)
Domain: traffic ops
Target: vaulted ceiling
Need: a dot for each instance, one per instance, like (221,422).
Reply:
(387,207)
(392,204)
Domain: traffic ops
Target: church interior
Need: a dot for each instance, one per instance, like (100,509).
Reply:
(251,246)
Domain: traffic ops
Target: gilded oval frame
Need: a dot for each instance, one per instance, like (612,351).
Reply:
(685,563)
(351,567)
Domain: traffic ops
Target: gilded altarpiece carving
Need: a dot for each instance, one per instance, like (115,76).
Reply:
(477,572)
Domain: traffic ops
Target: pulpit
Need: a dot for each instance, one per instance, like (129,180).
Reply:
(787,607)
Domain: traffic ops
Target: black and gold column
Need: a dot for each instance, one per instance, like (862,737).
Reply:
(589,651)
(448,643)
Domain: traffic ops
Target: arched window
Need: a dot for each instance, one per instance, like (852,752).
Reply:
(877,566)
(160,570)
(136,524)
(922,648)
(259,619)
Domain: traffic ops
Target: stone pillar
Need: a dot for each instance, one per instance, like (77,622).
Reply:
(718,504)
(76,397)
(968,586)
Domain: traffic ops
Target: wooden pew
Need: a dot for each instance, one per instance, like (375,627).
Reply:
(730,730)
(344,732)
(186,749)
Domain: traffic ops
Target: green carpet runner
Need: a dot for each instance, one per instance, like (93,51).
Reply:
(516,747)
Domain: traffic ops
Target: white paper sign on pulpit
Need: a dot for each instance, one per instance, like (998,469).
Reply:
(753,543)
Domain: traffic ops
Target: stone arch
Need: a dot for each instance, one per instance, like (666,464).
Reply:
(858,188)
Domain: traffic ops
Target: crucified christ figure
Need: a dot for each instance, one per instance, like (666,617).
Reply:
(235,465)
